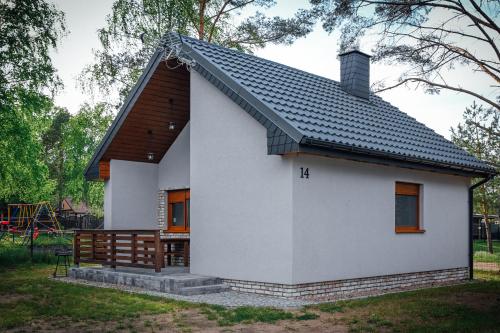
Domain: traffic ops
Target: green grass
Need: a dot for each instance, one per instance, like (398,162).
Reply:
(15,253)
(472,307)
(36,297)
(28,297)
(481,251)
(245,314)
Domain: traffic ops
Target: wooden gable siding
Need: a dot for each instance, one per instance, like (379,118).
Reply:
(104,170)
(164,99)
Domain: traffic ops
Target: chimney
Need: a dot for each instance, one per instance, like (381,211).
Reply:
(355,73)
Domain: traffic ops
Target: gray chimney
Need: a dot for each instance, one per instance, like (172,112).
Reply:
(355,73)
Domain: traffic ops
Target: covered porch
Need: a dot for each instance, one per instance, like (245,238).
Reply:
(145,259)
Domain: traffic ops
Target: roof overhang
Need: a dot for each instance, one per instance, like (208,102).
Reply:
(364,155)
(142,130)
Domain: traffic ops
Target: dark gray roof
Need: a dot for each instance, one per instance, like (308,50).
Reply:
(304,112)
(314,110)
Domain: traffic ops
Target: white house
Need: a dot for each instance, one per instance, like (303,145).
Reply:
(300,185)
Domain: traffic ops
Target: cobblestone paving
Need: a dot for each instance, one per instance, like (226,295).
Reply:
(229,298)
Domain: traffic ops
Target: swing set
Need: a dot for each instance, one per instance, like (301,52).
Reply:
(22,218)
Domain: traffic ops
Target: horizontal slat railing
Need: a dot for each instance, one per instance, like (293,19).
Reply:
(127,248)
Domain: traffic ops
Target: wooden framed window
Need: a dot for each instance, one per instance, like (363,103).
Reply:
(178,211)
(408,208)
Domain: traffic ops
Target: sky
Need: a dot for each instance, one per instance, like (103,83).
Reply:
(316,53)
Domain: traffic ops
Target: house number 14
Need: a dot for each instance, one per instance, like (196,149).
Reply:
(304,173)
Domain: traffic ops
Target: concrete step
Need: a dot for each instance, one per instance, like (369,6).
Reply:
(193,281)
(201,290)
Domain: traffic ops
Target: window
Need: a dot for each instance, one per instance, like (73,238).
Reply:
(178,211)
(408,207)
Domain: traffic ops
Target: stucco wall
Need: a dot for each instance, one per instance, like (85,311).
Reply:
(133,193)
(173,169)
(240,196)
(343,221)
(108,191)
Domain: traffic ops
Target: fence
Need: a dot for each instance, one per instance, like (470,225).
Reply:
(81,222)
(129,248)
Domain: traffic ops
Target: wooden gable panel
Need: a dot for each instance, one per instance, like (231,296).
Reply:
(165,99)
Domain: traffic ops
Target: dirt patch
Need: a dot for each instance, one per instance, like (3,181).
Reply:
(183,321)
(13,298)
(487,266)
(480,302)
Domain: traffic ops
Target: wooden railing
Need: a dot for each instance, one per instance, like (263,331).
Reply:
(129,248)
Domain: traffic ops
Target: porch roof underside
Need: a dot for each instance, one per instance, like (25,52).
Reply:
(142,125)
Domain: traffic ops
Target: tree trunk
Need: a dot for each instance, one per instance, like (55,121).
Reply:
(487,227)
(201,30)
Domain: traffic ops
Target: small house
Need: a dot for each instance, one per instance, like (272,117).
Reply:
(285,182)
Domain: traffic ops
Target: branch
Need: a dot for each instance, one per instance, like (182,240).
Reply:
(443,86)
(483,14)
(488,69)
(488,130)
(232,8)
(217,17)
(459,8)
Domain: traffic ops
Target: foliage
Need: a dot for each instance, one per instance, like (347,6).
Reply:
(134,29)
(475,135)
(430,36)
(53,140)
(28,30)
(84,132)
(23,174)
(47,150)
(481,253)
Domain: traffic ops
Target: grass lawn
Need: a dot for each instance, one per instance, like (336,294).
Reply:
(481,251)
(31,302)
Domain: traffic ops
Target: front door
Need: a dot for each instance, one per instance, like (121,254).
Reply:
(178,211)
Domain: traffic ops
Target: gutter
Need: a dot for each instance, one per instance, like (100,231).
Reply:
(471,215)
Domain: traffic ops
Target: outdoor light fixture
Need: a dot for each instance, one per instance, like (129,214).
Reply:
(151,156)
(171,126)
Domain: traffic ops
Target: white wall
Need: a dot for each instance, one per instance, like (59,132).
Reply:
(131,199)
(344,215)
(108,192)
(240,196)
(173,169)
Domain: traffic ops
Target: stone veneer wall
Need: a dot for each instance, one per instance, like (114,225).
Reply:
(351,288)
(162,223)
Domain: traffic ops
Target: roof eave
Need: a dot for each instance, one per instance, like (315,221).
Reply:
(364,155)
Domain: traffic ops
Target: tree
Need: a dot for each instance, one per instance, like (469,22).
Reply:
(54,154)
(135,27)
(28,30)
(479,141)
(430,36)
(23,173)
(83,133)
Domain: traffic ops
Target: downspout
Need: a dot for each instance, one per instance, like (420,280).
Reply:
(471,224)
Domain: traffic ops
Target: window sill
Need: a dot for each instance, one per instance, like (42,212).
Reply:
(187,231)
(420,231)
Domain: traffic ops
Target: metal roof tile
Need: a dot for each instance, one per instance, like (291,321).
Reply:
(321,110)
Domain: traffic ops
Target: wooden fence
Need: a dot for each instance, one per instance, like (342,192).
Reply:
(129,248)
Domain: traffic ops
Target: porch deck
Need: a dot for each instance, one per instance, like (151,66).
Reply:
(145,249)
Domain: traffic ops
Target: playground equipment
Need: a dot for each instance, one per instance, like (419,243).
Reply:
(23,218)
